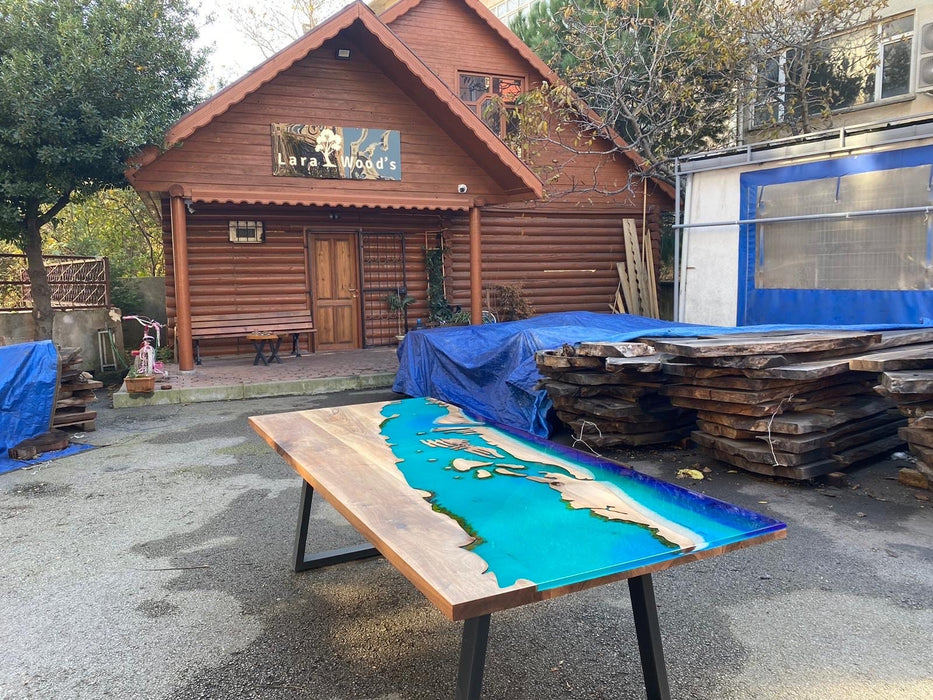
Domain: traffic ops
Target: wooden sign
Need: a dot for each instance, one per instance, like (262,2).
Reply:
(335,152)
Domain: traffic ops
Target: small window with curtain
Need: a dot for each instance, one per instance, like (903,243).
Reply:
(246,232)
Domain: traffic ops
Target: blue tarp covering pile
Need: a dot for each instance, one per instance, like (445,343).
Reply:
(28,379)
(490,369)
(28,382)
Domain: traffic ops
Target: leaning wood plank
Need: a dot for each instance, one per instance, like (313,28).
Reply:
(629,292)
(725,346)
(651,281)
(636,439)
(632,260)
(593,378)
(742,383)
(560,389)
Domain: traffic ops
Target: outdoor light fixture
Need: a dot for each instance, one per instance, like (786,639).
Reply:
(342,54)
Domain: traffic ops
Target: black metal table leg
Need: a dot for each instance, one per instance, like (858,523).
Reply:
(648,630)
(305,562)
(472,658)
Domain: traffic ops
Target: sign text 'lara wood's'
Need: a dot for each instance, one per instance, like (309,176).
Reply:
(335,152)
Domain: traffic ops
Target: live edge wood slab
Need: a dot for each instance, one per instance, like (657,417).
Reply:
(482,519)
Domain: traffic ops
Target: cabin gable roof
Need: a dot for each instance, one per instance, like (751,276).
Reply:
(509,178)
(397,13)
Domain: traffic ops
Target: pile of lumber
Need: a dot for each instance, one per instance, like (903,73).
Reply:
(609,394)
(75,393)
(795,404)
(912,390)
(784,404)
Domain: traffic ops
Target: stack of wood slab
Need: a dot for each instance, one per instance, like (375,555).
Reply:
(784,404)
(609,394)
(906,376)
(75,393)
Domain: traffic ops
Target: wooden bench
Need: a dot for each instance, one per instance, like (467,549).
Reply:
(256,322)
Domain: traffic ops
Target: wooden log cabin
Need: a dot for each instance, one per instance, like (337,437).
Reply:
(318,181)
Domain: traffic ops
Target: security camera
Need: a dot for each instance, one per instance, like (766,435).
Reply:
(461,189)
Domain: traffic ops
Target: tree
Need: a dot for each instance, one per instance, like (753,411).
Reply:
(111,223)
(84,84)
(272,25)
(805,60)
(658,72)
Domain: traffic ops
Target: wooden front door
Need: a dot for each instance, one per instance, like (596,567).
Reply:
(335,290)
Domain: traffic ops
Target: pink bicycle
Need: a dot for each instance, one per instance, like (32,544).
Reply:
(144,359)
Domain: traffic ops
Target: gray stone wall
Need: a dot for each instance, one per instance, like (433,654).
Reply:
(77,328)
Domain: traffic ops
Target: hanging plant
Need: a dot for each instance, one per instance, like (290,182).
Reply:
(439,310)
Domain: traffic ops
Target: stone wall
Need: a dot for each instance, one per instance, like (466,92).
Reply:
(76,328)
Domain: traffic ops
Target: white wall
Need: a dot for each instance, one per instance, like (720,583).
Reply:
(709,270)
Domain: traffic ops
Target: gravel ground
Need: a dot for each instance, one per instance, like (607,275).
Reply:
(157,566)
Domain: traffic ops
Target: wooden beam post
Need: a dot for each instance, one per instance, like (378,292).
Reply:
(183,348)
(476,267)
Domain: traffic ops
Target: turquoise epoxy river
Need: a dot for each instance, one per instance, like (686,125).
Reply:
(523,528)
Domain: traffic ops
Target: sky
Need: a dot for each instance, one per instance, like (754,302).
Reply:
(233,53)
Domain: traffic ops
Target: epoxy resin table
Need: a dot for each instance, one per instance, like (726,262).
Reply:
(481,519)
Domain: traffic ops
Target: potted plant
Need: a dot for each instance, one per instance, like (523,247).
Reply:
(398,302)
(139,382)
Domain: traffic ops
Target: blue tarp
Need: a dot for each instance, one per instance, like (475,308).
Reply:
(491,371)
(28,380)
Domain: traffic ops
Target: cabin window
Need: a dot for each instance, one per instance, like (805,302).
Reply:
(246,232)
(492,98)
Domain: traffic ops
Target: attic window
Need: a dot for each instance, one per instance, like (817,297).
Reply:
(492,98)
(246,232)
